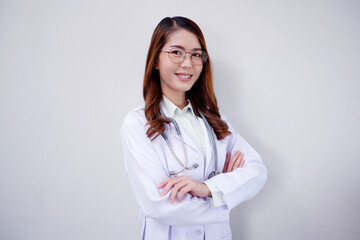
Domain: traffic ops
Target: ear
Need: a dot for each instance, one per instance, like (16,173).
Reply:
(156,65)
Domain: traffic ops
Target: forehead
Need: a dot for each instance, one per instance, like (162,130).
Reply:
(183,38)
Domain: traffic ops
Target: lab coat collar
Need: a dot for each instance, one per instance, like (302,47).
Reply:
(168,108)
(171,108)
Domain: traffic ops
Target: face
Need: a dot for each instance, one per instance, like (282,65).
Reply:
(177,78)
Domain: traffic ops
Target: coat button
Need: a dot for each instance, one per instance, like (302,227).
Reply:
(198,232)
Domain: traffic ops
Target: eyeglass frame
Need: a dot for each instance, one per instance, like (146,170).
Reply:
(168,52)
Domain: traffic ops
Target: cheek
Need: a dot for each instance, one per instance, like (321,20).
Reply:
(165,67)
(199,71)
(166,71)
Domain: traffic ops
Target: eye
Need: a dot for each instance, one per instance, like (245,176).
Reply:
(176,52)
(197,54)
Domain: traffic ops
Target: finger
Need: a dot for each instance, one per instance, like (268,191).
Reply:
(169,185)
(227,159)
(176,189)
(238,162)
(163,183)
(183,191)
(242,161)
(232,161)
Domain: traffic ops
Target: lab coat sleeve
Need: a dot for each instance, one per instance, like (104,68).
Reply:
(217,196)
(146,171)
(243,183)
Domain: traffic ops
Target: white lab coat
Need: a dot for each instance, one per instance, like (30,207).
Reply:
(148,163)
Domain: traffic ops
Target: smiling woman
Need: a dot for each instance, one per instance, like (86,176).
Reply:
(176,79)
(187,166)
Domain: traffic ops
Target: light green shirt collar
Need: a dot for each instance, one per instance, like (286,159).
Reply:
(171,108)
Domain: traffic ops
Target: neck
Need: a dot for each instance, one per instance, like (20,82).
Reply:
(178,99)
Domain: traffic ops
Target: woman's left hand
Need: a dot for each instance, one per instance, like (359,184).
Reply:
(182,185)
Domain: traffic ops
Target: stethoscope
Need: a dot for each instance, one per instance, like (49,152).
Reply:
(194,166)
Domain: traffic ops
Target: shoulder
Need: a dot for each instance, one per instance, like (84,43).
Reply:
(137,114)
(222,116)
(225,119)
(231,128)
(135,118)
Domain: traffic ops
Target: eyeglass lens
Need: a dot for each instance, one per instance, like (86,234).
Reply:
(178,55)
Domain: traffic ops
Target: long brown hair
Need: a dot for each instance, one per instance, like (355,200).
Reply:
(201,94)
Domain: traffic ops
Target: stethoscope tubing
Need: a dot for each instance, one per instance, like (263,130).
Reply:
(212,141)
(212,138)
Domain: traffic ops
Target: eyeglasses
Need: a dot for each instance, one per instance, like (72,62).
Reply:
(198,57)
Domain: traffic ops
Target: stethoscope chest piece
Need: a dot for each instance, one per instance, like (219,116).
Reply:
(213,173)
(183,164)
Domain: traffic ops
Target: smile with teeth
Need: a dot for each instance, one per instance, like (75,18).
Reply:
(184,76)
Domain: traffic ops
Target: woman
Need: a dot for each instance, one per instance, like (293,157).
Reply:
(176,144)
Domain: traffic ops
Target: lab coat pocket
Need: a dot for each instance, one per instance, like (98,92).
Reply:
(154,229)
(227,237)
(143,224)
(227,234)
(218,231)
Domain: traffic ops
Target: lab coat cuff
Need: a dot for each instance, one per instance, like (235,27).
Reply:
(217,199)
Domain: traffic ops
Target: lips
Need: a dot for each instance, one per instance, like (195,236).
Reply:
(184,76)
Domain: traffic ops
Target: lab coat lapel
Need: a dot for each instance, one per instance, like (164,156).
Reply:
(186,139)
(208,148)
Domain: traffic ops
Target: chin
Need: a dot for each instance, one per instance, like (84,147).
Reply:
(186,88)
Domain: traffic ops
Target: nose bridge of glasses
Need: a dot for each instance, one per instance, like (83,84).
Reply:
(190,53)
(190,56)
(184,57)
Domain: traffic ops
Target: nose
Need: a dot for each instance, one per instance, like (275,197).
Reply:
(187,62)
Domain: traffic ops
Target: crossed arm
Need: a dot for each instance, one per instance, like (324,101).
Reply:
(179,186)
(245,175)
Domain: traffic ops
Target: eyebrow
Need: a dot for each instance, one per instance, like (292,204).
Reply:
(178,46)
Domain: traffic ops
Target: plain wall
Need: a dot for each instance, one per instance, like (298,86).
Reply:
(287,76)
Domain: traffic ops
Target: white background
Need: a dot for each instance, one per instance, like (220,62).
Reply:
(286,75)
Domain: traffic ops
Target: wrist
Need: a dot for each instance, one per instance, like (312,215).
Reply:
(207,190)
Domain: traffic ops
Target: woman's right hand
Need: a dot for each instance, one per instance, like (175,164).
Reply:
(235,162)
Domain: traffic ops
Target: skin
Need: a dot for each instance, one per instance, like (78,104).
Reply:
(174,88)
